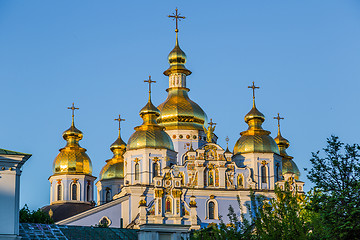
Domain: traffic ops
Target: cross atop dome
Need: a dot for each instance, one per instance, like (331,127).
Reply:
(278,118)
(149,81)
(73,108)
(119,120)
(253,87)
(177,18)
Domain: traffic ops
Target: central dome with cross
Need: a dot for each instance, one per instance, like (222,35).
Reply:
(179,111)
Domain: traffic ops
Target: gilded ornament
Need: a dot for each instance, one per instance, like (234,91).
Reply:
(159,193)
(210,131)
(142,203)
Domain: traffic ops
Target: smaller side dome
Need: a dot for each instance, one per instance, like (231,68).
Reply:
(114,167)
(72,159)
(149,134)
(289,166)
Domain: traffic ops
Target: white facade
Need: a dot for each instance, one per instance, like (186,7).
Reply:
(10,171)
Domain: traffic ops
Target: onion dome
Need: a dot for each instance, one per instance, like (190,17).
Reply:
(288,165)
(149,134)
(255,139)
(179,111)
(114,167)
(177,60)
(72,159)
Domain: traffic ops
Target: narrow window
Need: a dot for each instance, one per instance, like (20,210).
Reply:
(168,205)
(155,170)
(205,180)
(74,191)
(211,210)
(59,192)
(107,196)
(263,174)
(88,193)
(211,178)
(137,171)
(240,181)
(277,172)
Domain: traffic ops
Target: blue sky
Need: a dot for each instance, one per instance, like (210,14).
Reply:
(303,54)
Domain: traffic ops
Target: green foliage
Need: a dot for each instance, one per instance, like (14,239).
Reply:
(239,227)
(282,217)
(38,216)
(337,189)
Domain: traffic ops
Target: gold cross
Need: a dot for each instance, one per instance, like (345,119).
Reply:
(177,18)
(211,123)
(278,119)
(73,108)
(227,141)
(119,120)
(253,88)
(149,81)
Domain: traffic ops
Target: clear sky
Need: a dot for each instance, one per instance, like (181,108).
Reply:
(303,54)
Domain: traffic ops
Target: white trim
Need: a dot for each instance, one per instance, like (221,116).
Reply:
(216,209)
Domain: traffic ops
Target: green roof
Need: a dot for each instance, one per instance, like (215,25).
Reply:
(8,152)
(29,231)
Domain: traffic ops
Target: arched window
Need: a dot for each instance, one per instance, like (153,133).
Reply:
(59,192)
(88,193)
(263,174)
(74,191)
(107,196)
(240,182)
(156,170)
(211,210)
(137,171)
(168,205)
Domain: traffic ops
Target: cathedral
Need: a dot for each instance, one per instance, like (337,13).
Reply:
(171,171)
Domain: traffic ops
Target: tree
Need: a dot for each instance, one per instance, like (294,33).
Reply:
(238,228)
(38,216)
(282,217)
(336,196)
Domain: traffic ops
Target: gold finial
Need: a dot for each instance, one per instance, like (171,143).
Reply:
(227,141)
(253,87)
(73,108)
(119,120)
(150,82)
(210,131)
(278,119)
(177,18)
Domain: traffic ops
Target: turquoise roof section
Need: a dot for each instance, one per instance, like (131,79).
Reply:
(9,152)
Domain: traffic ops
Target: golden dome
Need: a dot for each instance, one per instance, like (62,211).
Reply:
(114,167)
(149,134)
(255,139)
(72,159)
(289,166)
(177,60)
(179,112)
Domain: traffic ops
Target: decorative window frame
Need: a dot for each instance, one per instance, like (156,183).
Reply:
(171,205)
(107,190)
(78,191)
(216,209)
(108,219)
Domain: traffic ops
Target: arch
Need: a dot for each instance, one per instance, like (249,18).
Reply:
(212,209)
(168,207)
(59,192)
(263,174)
(137,171)
(240,181)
